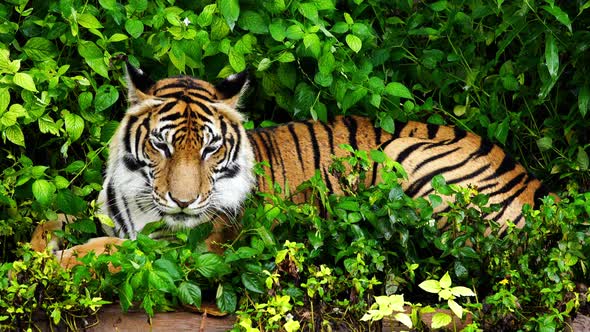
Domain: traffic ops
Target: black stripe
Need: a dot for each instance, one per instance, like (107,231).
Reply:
(166,108)
(507,202)
(114,211)
(462,178)
(377,132)
(435,157)
(279,155)
(235,145)
(418,184)
(128,130)
(170,117)
(269,153)
(131,163)
(352,126)
(432,130)
(459,135)
(314,144)
(405,153)
(506,166)
(328,130)
(297,147)
(126,205)
(471,175)
(186,97)
(327,181)
(229,172)
(145,124)
(438,144)
(485,148)
(508,186)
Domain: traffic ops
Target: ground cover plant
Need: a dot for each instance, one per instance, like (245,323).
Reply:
(513,72)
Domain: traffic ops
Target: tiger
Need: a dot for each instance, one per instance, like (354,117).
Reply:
(182,155)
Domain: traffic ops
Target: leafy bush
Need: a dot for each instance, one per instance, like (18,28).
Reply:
(514,72)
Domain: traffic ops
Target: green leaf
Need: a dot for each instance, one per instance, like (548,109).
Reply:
(440,320)
(353,97)
(108,4)
(134,28)
(207,264)
(431,286)
(40,49)
(551,55)
(439,6)
(253,282)
(286,57)
(230,10)
(264,64)
(15,135)
(545,143)
(226,299)
(312,42)
(294,32)
(560,15)
(43,191)
(4,99)
(583,100)
(398,90)
(93,57)
(236,60)
(206,16)
(388,124)
(277,30)
(126,296)
(190,293)
(74,125)
(177,56)
(169,267)
(582,159)
(253,22)
(309,11)
(88,21)
(354,42)
(69,203)
(25,81)
(106,96)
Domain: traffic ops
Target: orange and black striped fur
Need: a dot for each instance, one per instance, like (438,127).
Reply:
(182,155)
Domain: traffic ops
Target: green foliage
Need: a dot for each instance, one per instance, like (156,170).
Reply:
(514,72)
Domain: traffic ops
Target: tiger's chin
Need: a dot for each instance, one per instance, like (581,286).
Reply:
(180,221)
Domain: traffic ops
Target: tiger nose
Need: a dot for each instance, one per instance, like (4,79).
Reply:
(181,203)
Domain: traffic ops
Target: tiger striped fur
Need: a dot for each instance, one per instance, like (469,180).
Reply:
(182,155)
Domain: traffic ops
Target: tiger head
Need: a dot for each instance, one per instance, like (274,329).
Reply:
(180,154)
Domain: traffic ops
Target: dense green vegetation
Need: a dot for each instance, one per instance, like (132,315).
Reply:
(515,72)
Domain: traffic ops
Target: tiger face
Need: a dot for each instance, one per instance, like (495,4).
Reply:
(180,155)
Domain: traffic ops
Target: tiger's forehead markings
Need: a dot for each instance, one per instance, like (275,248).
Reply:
(183,87)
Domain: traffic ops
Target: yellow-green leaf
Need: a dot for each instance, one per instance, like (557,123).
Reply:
(354,42)
(25,81)
(15,135)
(456,308)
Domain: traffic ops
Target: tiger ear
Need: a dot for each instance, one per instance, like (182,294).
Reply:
(138,84)
(231,90)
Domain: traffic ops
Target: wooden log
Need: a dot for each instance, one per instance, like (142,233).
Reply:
(110,318)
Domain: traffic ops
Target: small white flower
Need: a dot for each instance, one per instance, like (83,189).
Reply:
(431,222)
(289,316)
(186,21)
